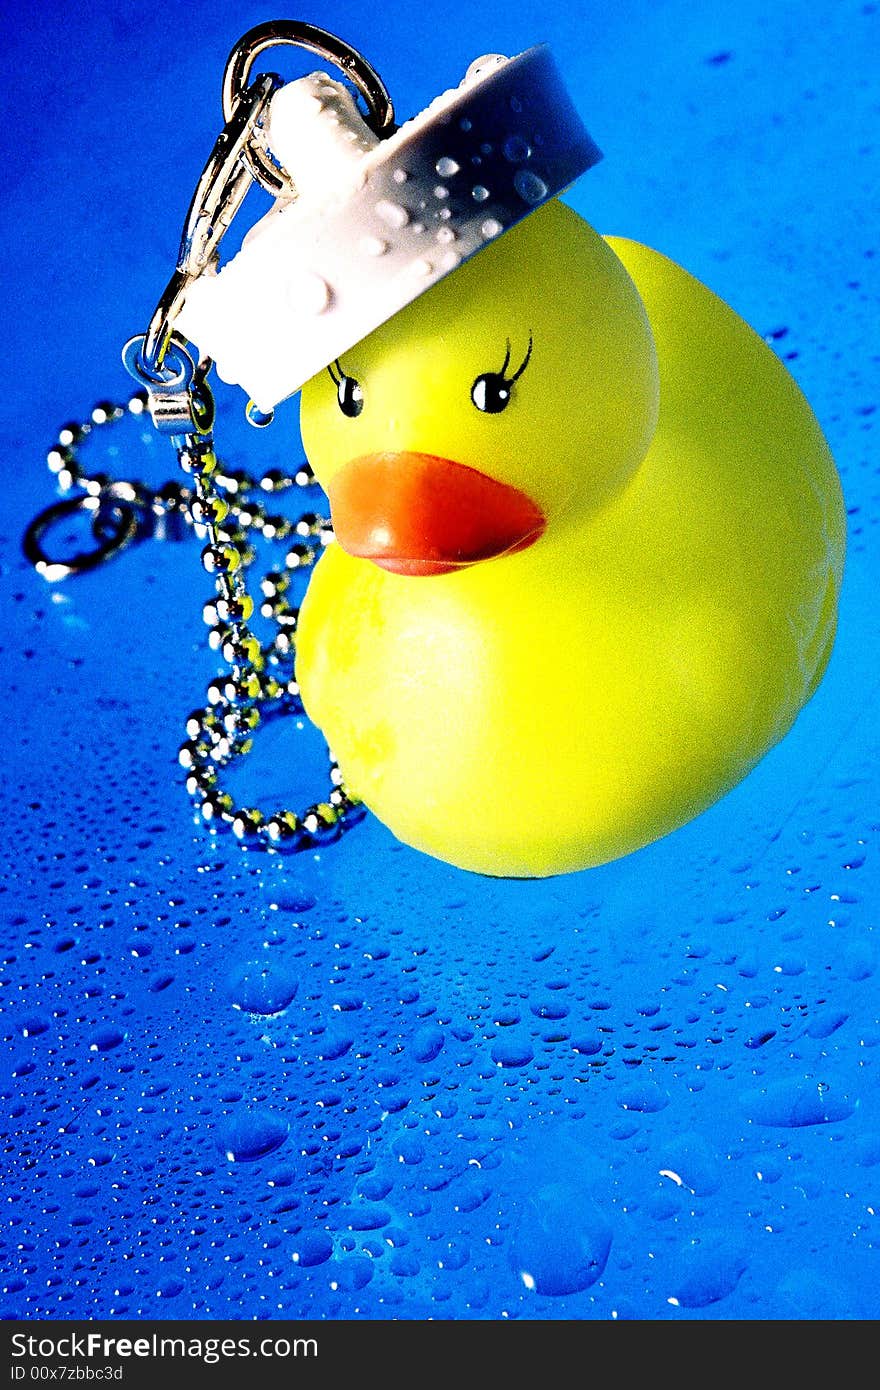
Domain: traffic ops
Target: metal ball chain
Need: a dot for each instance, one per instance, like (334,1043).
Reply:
(225,508)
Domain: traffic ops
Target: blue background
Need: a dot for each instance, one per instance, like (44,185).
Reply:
(362,1083)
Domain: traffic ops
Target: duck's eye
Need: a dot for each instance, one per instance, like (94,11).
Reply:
(491,392)
(350,396)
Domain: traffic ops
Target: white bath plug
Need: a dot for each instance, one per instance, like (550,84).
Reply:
(376,222)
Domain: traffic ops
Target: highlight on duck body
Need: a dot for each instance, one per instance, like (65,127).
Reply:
(589,535)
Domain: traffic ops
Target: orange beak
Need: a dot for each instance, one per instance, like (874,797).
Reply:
(419,514)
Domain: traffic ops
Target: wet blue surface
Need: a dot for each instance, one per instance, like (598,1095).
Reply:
(362,1083)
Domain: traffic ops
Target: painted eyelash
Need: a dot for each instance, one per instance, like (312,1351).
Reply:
(521,368)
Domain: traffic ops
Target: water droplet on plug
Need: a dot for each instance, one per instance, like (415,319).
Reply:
(516,149)
(392,214)
(481,66)
(256,417)
(309,294)
(529,187)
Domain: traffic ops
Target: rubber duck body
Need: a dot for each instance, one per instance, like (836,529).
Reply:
(589,547)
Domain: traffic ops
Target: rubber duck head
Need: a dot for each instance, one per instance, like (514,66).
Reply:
(507,404)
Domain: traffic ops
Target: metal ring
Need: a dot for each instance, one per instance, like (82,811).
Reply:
(300,35)
(108,545)
(176,373)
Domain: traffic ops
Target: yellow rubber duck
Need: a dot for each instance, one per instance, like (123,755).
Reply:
(590,543)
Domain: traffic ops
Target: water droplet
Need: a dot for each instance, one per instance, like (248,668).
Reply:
(529,187)
(479,193)
(409,1150)
(353,1274)
(826,1022)
(516,149)
(374,1187)
(427,1043)
(373,246)
(309,294)
(400,176)
(561,1243)
(392,214)
(446,235)
(709,1271)
(105,1039)
(512,1052)
(249,1136)
(335,1042)
(367,1216)
(689,1157)
(420,267)
(549,1008)
(312,1248)
(262,987)
(441,191)
(33,1026)
(645,1096)
(796,1102)
(481,66)
(491,228)
(446,167)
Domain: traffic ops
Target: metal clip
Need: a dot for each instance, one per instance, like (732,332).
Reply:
(218,196)
(237,159)
(157,359)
